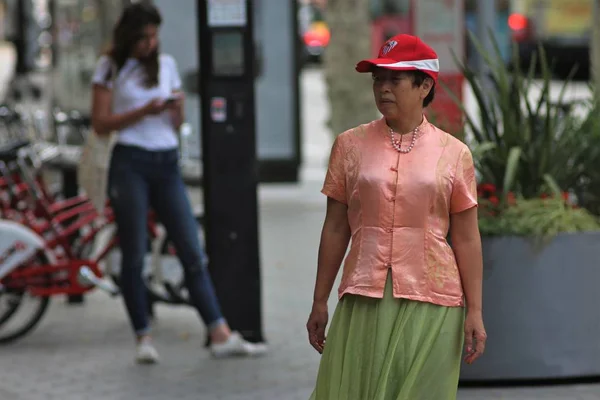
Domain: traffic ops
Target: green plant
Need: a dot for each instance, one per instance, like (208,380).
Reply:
(540,219)
(526,145)
(503,213)
(588,186)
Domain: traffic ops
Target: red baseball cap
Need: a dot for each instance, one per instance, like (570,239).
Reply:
(404,53)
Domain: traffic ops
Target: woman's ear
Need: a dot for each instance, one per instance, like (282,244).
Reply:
(426,87)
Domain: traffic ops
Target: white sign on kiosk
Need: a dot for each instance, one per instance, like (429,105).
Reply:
(227,13)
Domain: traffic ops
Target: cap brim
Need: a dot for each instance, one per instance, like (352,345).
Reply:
(368,65)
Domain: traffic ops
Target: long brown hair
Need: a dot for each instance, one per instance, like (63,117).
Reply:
(126,34)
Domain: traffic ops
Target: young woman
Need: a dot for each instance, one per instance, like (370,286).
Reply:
(137,93)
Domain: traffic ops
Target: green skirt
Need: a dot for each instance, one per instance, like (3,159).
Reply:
(391,349)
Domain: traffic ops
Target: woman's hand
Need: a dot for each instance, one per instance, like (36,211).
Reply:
(177,105)
(475,336)
(317,321)
(155,106)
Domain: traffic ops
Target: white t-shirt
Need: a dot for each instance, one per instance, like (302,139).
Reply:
(153,132)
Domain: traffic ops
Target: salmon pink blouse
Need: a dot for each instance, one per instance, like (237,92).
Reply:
(399,208)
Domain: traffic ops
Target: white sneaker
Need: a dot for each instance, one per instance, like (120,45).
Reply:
(146,353)
(236,346)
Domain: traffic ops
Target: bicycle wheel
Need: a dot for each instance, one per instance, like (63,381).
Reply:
(9,304)
(21,317)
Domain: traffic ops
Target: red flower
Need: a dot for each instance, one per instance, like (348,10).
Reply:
(487,187)
(510,198)
(494,200)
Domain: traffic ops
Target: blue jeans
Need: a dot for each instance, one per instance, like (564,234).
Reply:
(139,180)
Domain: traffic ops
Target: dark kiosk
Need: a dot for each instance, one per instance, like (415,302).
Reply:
(230,169)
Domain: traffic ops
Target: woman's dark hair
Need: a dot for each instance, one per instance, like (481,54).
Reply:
(418,77)
(128,32)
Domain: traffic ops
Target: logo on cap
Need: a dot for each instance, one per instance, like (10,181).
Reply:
(388,47)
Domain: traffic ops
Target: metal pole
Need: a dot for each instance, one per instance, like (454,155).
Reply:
(230,173)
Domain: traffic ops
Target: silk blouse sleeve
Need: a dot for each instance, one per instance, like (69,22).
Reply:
(335,179)
(464,188)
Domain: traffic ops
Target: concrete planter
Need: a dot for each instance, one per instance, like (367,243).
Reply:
(541,309)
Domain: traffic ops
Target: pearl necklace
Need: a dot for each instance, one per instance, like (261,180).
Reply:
(397,144)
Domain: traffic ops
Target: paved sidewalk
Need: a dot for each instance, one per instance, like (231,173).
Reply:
(86,352)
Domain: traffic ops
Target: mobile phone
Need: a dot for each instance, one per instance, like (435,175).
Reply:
(170,100)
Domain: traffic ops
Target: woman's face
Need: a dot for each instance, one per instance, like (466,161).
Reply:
(147,42)
(396,95)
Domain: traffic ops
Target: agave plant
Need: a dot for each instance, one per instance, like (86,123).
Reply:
(529,146)
(588,187)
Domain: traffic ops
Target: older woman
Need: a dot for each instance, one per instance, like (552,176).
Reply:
(397,186)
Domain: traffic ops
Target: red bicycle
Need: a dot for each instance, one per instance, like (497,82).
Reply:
(54,247)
